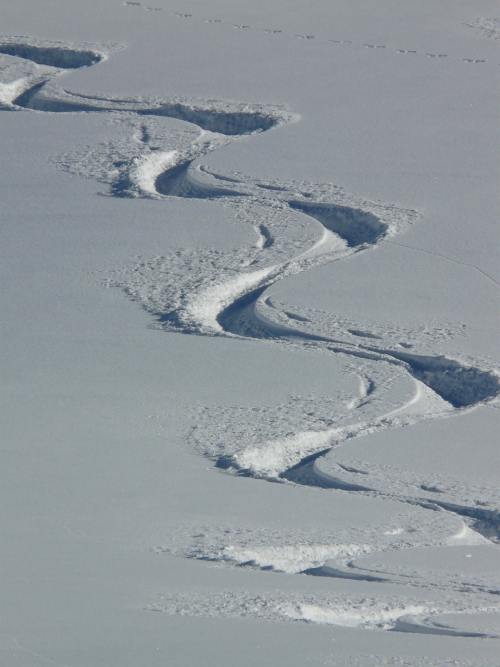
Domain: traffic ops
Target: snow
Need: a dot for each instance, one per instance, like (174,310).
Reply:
(251,379)
(379,618)
(204,309)
(9,91)
(148,168)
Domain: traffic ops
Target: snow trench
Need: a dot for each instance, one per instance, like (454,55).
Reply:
(356,227)
(462,386)
(54,56)
(224,122)
(308,472)
(209,118)
(184,180)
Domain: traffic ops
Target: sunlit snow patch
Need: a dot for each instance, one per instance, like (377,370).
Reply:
(271,458)
(147,168)
(10,91)
(292,559)
(383,617)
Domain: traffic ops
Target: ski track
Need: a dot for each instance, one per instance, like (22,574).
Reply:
(238,306)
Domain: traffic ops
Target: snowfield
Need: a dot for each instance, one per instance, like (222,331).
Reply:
(250,333)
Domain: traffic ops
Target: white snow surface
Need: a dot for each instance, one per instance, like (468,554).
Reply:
(250,313)
(149,167)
